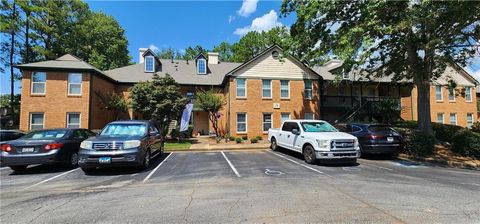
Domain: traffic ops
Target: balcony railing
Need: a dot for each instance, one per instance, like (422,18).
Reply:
(353,101)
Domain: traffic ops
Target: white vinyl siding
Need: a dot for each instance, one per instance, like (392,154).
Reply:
(73,120)
(39,80)
(37,121)
(267,88)
(267,121)
(241,122)
(284,89)
(241,88)
(469,120)
(438,93)
(453,118)
(468,93)
(308,89)
(74,84)
(440,118)
(149,64)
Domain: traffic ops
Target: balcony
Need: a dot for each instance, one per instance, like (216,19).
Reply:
(347,102)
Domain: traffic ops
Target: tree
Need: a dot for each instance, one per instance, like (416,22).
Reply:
(212,102)
(192,52)
(113,102)
(225,51)
(159,100)
(413,40)
(167,53)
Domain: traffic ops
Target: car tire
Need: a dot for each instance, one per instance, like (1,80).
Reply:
(18,168)
(88,170)
(73,160)
(353,162)
(273,144)
(146,160)
(309,155)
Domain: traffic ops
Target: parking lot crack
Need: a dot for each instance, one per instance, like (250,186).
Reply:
(189,203)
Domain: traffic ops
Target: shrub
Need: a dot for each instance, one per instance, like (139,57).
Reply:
(476,127)
(259,137)
(227,137)
(417,143)
(175,133)
(254,140)
(245,137)
(218,139)
(445,132)
(231,138)
(407,124)
(239,140)
(466,143)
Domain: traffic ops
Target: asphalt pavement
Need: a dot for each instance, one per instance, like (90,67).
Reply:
(243,187)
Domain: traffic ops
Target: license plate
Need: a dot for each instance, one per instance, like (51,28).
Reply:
(28,149)
(104,160)
(390,139)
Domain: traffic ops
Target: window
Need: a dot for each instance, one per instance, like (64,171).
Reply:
(453,119)
(149,64)
(241,122)
(37,121)
(267,122)
(440,118)
(202,66)
(284,89)
(289,126)
(308,89)
(308,116)
(468,93)
(241,88)
(469,120)
(73,120)
(285,116)
(267,88)
(451,94)
(438,93)
(38,82)
(74,84)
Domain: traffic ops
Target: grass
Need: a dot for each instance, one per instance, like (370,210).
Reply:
(177,145)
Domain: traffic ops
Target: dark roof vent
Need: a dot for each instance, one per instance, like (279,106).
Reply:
(275,54)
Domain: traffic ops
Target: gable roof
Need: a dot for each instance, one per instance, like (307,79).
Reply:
(66,62)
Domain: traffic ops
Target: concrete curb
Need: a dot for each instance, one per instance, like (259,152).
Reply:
(440,162)
(224,148)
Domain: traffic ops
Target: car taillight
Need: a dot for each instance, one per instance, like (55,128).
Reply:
(53,146)
(374,136)
(6,148)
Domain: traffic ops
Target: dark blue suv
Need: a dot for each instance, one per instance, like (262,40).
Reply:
(122,143)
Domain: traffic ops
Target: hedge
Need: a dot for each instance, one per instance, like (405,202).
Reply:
(466,143)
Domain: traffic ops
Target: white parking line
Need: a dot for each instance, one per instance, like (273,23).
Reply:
(51,178)
(156,168)
(293,161)
(231,165)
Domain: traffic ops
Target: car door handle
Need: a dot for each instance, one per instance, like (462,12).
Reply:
(302,136)
(288,136)
(279,134)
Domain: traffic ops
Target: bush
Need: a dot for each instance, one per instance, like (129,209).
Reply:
(476,127)
(218,139)
(175,133)
(259,137)
(445,132)
(254,140)
(231,138)
(239,140)
(245,137)
(466,143)
(417,143)
(407,124)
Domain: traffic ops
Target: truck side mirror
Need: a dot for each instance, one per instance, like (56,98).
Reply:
(295,131)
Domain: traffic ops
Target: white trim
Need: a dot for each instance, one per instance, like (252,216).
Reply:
(236,88)
(32,82)
(263,120)
(246,123)
(198,62)
(441,93)
(443,118)
(30,121)
(305,89)
(470,92)
(271,92)
(454,95)
(153,64)
(68,84)
(79,119)
(471,115)
(456,119)
(281,89)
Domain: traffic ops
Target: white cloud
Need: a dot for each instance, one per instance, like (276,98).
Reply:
(231,18)
(154,48)
(262,23)
(248,7)
(475,74)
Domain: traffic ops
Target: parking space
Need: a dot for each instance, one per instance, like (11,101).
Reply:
(243,186)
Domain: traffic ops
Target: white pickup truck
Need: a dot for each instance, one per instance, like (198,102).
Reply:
(316,140)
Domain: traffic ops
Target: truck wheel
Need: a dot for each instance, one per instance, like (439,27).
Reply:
(273,144)
(146,160)
(73,160)
(18,168)
(309,154)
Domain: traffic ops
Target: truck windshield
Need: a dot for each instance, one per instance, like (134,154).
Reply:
(124,130)
(317,127)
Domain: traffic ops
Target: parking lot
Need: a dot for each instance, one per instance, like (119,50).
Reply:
(243,187)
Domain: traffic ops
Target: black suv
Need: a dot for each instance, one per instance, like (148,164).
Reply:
(122,143)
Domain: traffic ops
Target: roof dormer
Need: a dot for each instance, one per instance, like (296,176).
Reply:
(201,64)
(150,60)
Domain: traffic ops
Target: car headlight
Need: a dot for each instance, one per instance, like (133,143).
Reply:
(131,144)
(86,145)
(322,143)
(356,144)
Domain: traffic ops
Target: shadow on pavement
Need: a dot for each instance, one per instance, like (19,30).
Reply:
(112,171)
(336,163)
(42,169)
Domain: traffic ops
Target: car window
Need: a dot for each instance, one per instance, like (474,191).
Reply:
(316,126)
(295,126)
(287,126)
(88,133)
(126,129)
(379,128)
(356,128)
(46,134)
(79,134)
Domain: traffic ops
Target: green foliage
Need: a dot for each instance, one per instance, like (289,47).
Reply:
(231,138)
(218,139)
(212,102)
(476,127)
(466,143)
(245,137)
(238,140)
(417,143)
(445,132)
(386,111)
(225,51)
(113,102)
(254,140)
(259,137)
(192,52)
(159,100)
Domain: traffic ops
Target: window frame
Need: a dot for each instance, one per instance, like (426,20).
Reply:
(263,121)
(237,87)
(79,119)
(288,89)
(443,118)
(441,93)
(469,94)
(69,84)
(30,124)
(456,119)
(153,63)
(198,66)
(454,95)
(246,123)
(263,89)
(472,120)
(305,89)
(32,83)
(313,116)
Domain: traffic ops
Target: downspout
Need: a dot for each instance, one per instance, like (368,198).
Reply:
(228,110)
(90,102)
(411,103)
(322,116)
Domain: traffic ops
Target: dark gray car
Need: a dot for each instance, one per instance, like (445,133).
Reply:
(122,143)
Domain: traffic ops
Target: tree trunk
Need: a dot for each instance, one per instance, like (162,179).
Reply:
(213,118)
(423,106)
(12,52)
(27,38)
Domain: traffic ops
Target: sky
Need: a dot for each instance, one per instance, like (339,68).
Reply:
(179,24)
